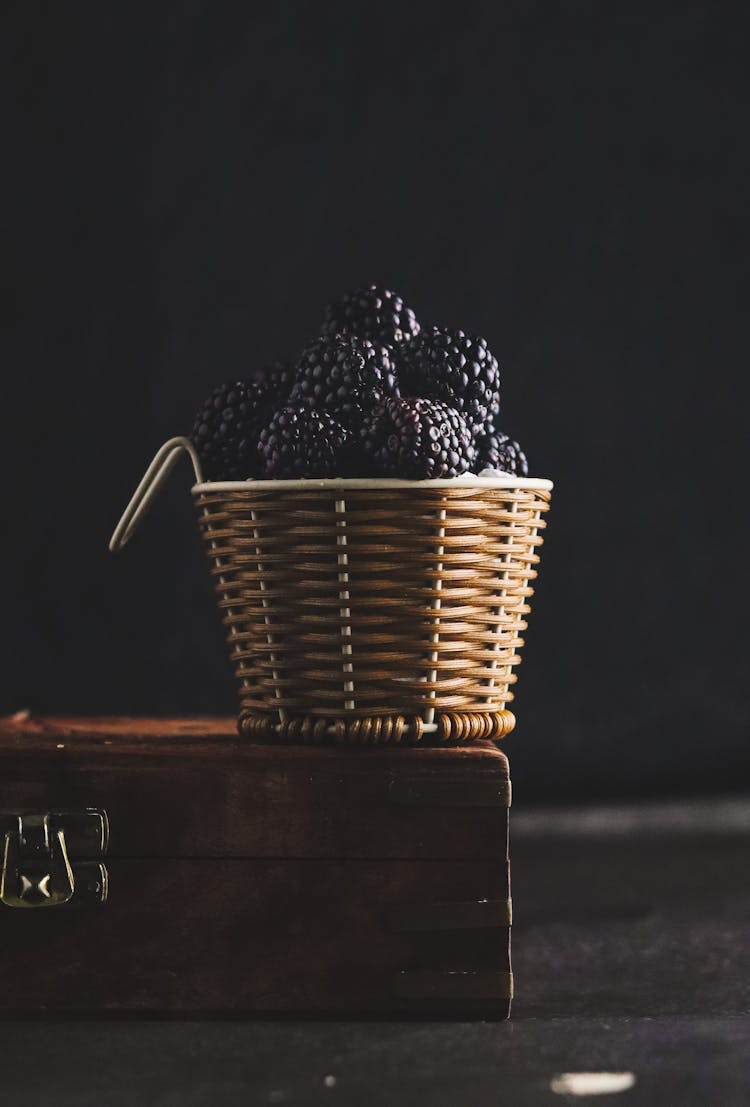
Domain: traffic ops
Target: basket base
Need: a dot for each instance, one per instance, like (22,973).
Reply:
(450,728)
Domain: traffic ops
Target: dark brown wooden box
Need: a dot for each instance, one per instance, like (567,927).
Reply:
(258,879)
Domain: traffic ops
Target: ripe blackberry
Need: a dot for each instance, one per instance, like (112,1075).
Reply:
(417,439)
(344,375)
(299,441)
(226,428)
(453,367)
(495,450)
(277,379)
(374,313)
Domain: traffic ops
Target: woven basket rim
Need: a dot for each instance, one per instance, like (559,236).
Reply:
(311,484)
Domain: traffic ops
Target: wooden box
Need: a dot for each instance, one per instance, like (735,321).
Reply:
(166,866)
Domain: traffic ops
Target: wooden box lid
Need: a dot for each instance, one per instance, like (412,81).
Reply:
(191,788)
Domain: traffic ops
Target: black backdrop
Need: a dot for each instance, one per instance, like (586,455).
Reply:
(187,184)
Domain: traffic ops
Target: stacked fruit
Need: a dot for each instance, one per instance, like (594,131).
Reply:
(374,395)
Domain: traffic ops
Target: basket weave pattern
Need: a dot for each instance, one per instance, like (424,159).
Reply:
(389,615)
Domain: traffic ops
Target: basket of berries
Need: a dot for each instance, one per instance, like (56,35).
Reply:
(372,535)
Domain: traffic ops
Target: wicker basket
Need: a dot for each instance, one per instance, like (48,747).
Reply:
(368,611)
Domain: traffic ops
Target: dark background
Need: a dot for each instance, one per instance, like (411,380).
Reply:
(188,184)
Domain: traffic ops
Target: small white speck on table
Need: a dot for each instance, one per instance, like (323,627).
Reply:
(592,1083)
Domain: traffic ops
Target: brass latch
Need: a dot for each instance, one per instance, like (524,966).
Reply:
(49,860)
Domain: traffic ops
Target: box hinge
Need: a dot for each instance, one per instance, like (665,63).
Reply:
(49,860)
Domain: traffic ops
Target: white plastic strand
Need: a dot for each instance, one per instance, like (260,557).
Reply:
(429,715)
(346,630)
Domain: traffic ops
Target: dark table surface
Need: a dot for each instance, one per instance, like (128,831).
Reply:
(631,944)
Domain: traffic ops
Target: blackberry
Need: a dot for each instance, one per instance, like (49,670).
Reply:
(453,367)
(418,439)
(344,375)
(225,432)
(277,379)
(495,450)
(299,441)
(374,313)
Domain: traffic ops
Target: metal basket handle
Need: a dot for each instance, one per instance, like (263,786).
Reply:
(151,483)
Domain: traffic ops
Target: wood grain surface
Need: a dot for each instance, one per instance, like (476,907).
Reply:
(192,788)
(251,878)
(257,936)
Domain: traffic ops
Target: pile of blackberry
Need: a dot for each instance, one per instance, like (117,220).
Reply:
(375,394)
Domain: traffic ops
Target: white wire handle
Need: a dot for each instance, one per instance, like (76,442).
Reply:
(164,462)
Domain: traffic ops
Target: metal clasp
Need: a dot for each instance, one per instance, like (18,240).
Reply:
(37,869)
